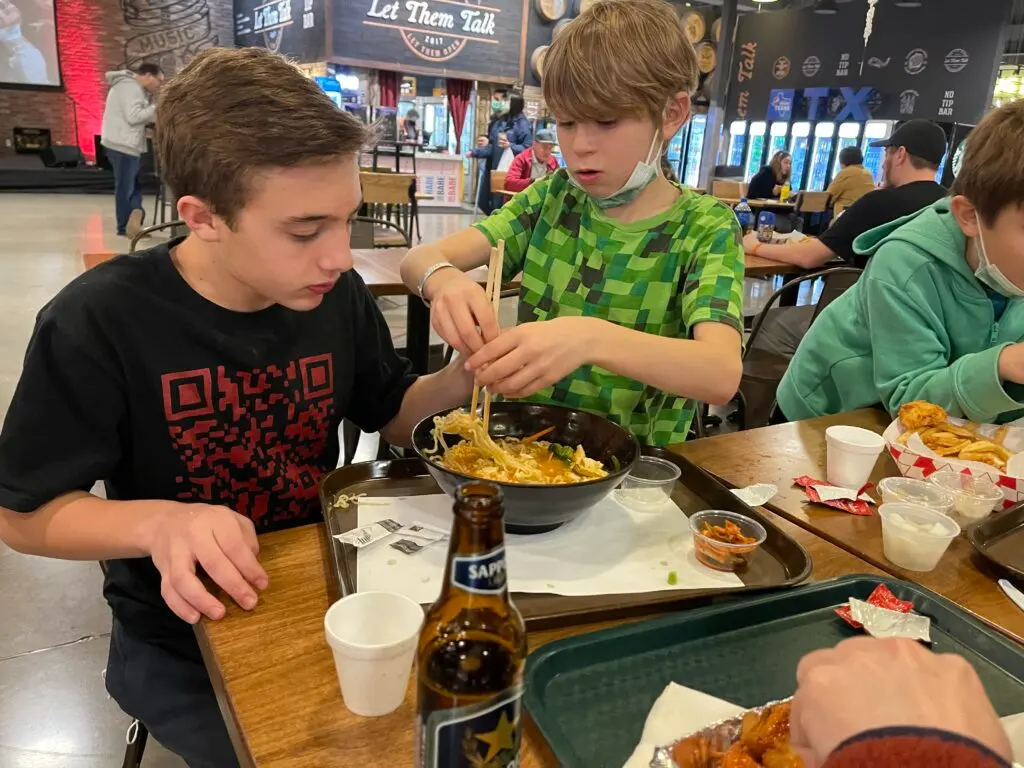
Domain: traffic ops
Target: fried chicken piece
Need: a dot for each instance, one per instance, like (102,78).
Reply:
(920,415)
(694,752)
(782,757)
(738,756)
(761,732)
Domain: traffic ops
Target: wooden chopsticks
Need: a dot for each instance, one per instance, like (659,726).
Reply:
(493,290)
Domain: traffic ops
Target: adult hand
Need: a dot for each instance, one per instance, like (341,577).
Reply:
(218,539)
(460,311)
(864,684)
(503,142)
(750,242)
(526,359)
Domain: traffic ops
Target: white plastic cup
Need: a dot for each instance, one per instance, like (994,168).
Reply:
(851,453)
(373,636)
(907,540)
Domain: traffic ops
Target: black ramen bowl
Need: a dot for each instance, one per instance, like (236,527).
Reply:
(536,508)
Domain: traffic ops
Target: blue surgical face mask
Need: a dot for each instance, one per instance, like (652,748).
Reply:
(645,172)
(993,276)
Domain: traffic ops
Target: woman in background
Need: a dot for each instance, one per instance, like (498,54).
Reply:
(508,129)
(851,183)
(767,183)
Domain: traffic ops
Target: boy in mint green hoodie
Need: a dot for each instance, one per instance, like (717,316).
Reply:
(937,315)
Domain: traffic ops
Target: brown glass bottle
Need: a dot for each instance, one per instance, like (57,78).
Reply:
(472,647)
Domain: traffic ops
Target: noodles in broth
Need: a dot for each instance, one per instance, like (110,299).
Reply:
(507,459)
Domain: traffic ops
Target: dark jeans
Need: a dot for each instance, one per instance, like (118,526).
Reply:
(171,695)
(127,194)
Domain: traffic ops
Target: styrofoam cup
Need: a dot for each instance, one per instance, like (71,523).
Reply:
(373,636)
(851,453)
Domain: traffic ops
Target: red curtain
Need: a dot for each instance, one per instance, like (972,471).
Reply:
(459,93)
(388,82)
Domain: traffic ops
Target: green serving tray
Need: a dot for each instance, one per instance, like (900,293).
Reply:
(590,695)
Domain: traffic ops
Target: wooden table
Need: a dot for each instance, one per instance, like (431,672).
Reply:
(275,679)
(759,266)
(759,202)
(780,453)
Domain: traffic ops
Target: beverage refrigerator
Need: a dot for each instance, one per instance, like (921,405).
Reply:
(821,153)
(737,142)
(799,143)
(875,130)
(755,148)
(849,134)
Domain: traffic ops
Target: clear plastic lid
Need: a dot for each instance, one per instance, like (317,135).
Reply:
(975,486)
(911,491)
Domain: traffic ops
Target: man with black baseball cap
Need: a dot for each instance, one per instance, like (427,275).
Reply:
(912,157)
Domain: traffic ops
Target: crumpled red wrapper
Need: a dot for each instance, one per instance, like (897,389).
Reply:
(858,507)
(882,597)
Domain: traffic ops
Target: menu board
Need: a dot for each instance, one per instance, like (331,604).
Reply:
(295,28)
(937,62)
(470,39)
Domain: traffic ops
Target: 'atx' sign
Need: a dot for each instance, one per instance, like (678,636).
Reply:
(848,103)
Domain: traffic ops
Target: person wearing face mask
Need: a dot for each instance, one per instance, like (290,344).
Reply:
(937,315)
(507,129)
(631,300)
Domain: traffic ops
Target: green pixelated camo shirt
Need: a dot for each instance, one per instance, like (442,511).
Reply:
(663,275)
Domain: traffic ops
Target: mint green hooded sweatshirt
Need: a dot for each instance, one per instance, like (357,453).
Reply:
(917,325)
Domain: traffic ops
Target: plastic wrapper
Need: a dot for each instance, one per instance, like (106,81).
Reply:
(719,737)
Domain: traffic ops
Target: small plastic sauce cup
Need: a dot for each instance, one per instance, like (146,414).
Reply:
(907,490)
(974,498)
(915,538)
(721,555)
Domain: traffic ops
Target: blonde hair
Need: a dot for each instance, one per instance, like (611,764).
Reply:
(992,172)
(620,58)
(233,112)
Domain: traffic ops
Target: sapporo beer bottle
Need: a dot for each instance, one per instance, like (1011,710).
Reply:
(472,647)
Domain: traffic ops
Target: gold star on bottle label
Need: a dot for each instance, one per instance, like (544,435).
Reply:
(502,737)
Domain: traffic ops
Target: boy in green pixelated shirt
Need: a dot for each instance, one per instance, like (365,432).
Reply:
(631,299)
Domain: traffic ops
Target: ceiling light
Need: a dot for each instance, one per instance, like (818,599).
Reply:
(826,8)
(909,3)
(765,2)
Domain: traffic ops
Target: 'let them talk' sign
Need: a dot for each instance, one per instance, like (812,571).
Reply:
(463,38)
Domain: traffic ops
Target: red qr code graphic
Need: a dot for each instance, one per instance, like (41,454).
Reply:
(253,440)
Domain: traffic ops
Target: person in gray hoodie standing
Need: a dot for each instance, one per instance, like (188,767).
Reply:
(130,108)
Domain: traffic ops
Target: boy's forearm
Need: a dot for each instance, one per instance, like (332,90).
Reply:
(465,250)
(80,526)
(701,370)
(808,254)
(449,388)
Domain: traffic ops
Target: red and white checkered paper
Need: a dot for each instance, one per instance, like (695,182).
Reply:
(912,464)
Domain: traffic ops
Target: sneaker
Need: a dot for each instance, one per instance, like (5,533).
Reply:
(135,222)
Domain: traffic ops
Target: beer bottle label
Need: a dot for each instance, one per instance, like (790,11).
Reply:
(482,735)
(480,574)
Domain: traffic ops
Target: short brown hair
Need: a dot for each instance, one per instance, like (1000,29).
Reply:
(992,172)
(619,58)
(233,112)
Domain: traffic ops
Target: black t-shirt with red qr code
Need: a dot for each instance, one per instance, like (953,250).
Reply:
(133,378)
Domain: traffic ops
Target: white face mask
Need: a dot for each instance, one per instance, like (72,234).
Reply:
(643,174)
(993,276)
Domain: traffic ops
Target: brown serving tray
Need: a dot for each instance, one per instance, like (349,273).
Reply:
(1000,539)
(780,562)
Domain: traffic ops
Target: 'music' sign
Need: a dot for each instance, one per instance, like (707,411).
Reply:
(462,38)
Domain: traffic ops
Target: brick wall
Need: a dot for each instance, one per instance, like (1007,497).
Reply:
(99,35)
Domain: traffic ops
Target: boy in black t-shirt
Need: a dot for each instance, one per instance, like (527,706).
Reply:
(203,381)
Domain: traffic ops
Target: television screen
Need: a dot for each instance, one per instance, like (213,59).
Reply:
(28,43)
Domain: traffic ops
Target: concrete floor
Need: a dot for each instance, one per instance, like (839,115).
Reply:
(54,631)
